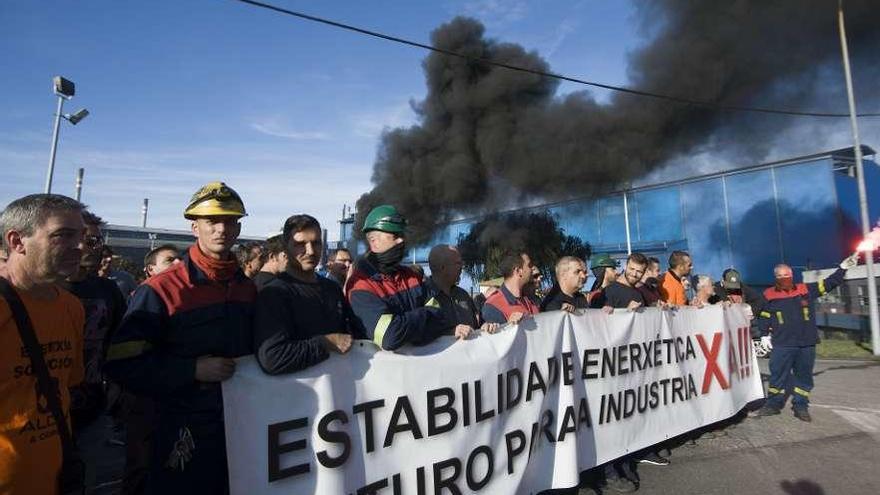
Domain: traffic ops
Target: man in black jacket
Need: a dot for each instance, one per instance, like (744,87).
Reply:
(301,317)
(566,295)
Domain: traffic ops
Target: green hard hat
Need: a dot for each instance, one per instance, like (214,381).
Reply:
(600,260)
(385,218)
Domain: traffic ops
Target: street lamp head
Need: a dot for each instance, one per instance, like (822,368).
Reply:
(75,117)
(64,87)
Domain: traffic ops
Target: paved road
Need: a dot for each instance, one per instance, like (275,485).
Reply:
(838,453)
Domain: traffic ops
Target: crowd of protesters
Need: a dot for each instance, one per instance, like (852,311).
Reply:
(151,357)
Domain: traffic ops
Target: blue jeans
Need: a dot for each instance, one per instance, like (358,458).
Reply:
(791,366)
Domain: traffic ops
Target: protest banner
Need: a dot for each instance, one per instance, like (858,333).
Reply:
(520,411)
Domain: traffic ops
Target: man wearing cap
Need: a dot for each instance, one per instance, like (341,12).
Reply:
(604,269)
(387,297)
(789,316)
(177,342)
(731,288)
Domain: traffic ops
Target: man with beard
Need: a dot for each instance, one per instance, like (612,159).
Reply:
(789,315)
(104,306)
(179,340)
(622,293)
(42,234)
(302,317)
(389,298)
(457,307)
(571,275)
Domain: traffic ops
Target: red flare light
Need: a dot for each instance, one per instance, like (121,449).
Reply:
(866,245)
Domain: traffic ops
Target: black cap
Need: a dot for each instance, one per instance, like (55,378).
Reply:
(731,279)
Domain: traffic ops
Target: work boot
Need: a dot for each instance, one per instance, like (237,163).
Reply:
(766,410)
(803,415)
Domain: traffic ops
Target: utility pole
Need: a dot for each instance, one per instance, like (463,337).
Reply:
(144,209)
(79,182)
(863,196)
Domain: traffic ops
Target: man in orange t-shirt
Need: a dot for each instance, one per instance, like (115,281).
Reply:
(42,233)
(671,288)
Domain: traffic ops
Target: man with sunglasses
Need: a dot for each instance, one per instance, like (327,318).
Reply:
(104,305)
(389,298)
(178,341)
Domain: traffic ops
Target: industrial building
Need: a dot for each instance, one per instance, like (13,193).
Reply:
(801,211)
(133,243)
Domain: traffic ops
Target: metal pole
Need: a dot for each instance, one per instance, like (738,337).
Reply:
(48,188)
(144,209)
(860,179)
(79,182)
(626,223)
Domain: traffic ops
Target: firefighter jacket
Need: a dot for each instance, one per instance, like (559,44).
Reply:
(395,308)
(173,319)
(790,315)
(502,303)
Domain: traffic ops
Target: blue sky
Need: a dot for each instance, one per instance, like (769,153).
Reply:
(287,112)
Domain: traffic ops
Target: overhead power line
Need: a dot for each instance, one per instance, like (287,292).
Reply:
(610,87)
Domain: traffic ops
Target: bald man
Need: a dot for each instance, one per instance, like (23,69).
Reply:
(459,311)
(789,316)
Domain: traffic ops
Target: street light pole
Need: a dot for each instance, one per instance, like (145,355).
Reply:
(863,196)
(58,114)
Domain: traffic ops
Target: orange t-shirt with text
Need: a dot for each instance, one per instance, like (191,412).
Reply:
(30,450)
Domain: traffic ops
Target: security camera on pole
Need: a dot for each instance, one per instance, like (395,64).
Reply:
(65,90)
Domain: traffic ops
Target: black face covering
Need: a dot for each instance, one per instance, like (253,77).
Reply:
(599,274)
(652,282)
(388,261)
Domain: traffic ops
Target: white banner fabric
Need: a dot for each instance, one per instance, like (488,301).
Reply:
(520,411)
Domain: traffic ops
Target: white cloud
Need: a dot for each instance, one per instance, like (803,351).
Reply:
(565,28)
(496,13)
(272,127)
(371,124)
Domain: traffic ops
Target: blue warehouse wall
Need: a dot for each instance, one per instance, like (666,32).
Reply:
(804,214)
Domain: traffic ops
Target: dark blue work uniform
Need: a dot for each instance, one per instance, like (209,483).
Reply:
(173,319)
(791,319)
(395,309)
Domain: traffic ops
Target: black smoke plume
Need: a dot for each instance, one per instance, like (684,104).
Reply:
(489,138)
